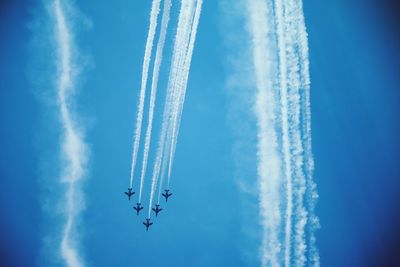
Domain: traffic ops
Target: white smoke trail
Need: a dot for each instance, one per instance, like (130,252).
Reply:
(184,75)
(155,8)
(162,175)
(311,190)
(154,83)
(281,35)
(261,28)
(73,147)
(297,160)
(179,49)
(179,55)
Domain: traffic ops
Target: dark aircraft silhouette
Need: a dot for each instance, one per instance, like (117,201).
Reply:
(167,195)
(157,209)
(147,224)
(138,208)
(129,193)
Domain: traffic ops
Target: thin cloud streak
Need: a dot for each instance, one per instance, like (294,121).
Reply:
(74,149)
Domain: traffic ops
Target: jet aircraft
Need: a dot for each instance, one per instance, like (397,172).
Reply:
(157,209)
(138,208)
(147,224)
(166,195)
(129,193)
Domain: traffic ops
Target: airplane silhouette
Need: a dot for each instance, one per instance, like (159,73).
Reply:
(138,208)
(129,193)
(157,209)
(167,195)
(147,224)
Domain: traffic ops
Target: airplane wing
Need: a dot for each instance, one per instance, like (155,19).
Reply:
(145,224)
(150,224)
(164,195)
(126,193)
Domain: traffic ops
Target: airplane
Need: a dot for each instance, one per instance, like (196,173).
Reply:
(129,193)
(147,224)
(166,195)
(157,209)
(138,208)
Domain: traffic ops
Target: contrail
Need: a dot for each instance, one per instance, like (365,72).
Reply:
(261,28)
(179,48)
(297,160)
(183,85)
(155,8)
(73,146)
(278,35)
(311,190)
(177,66)
(280,13)
(154,83)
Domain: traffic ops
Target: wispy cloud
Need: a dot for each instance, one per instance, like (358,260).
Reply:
(74,149)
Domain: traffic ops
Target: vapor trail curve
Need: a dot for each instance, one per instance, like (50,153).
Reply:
(73,146)
(155,8)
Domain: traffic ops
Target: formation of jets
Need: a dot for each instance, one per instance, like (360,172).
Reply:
(139,206)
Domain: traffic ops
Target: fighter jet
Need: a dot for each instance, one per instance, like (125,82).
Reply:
(138,208)
(147,224)
(166,194)
(129,193)
(157,209)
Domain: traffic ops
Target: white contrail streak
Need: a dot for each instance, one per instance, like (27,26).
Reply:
(155,8)
(153,93)
(179,55)
(179,49)
(281,34)
(261,27)
(277,28)
(183,43)
(297,160)
(73,147)
(312,195)
(184,75)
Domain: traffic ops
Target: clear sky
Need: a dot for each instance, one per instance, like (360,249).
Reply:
(210,220)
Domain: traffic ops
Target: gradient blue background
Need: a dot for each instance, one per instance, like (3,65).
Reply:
(355,107)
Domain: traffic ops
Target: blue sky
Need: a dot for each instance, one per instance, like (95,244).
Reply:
(209,220)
